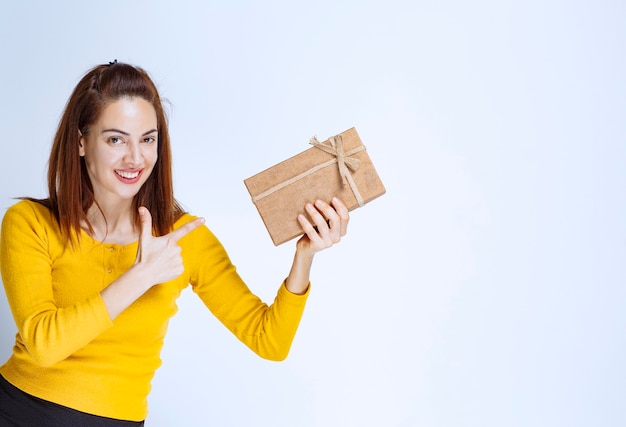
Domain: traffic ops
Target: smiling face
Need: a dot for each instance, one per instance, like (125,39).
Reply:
(120,149)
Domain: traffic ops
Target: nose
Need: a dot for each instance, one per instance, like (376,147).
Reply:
(133,154)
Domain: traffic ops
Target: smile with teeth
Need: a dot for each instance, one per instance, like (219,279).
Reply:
(128,175)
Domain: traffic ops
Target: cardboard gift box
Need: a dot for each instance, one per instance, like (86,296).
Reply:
(338,167)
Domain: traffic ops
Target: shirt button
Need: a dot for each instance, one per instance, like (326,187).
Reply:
(111,249)
(109,270)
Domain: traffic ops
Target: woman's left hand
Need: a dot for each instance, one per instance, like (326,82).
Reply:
(326,225)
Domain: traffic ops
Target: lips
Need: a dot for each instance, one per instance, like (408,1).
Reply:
(128,176)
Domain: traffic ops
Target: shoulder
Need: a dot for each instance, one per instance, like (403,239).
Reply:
(200,239)
(30,210)
(28,219)
(203,230)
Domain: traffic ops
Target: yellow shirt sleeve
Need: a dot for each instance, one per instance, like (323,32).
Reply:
(266,330)
(50,333)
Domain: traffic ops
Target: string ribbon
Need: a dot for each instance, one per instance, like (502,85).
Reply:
(345,163)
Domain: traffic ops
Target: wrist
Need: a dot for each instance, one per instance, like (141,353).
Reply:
(304,252)
(298,280)
(138,275)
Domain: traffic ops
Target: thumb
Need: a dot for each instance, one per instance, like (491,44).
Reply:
(145,219)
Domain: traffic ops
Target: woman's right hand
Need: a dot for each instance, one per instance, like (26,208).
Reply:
(158,260)
(160,257)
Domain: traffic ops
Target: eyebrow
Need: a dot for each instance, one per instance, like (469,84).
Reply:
(127,134)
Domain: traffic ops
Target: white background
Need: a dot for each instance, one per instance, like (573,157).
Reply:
(486,288)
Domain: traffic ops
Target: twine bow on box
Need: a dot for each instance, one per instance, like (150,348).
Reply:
(345,163)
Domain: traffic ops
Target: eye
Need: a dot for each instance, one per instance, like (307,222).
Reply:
(149,139)
(115,140)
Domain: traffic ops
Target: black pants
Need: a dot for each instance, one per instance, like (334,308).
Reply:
(19,409)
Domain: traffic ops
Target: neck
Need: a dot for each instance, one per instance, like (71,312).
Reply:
(113,223)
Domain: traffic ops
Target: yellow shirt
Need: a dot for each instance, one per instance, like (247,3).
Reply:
(68,350)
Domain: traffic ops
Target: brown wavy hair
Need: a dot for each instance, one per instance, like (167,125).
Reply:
(69,187)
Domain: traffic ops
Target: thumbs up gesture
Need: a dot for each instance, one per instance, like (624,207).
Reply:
(161,257)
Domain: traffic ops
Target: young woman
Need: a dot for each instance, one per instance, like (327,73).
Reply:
(92,273)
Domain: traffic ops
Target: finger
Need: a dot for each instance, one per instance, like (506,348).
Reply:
(337,216)
(145,219)
(138,256)
(183,230)
(331,218)
(309,230)
(344,214)
(323,228)
(145,230)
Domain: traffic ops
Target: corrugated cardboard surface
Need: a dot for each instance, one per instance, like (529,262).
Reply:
(279,210)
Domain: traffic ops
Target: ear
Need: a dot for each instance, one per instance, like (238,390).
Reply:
(81,144)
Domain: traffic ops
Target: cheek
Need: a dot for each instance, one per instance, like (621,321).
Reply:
(154,156)
(89,165)
(151,157)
